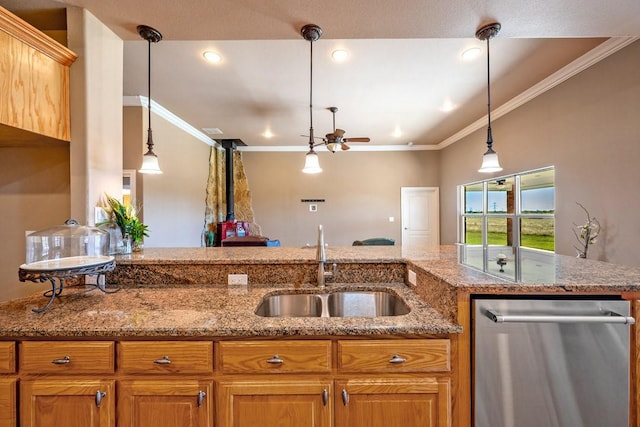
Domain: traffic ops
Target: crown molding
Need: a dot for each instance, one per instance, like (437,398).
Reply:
(143,101)
(28,34)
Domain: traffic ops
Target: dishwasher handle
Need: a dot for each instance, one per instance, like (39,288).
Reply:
(606,317)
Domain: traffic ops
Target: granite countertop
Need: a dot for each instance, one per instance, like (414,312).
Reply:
(215,310)
(203,311)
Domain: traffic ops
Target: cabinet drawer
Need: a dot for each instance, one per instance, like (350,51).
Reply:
(386,356)
(7,357)
(275,357)
(168,357)
(67,357)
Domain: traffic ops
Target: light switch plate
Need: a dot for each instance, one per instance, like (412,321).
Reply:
(237,279)
(411,276)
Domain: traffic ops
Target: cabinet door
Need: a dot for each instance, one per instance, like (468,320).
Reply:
(165,403)
(275,403)
(67,403)
(400,402)
(8,402)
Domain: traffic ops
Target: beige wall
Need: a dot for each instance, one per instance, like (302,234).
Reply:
(96,113)
(589,129)
(361,189)
(34,194)
(173,203)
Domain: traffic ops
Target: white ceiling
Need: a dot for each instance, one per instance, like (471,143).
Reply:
(404,61)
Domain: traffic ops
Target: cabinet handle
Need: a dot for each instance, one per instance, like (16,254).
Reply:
(164,361)
(325,397)
(62,361)
(345,397)
(275,360)
(397,359)
(201,396)
(99,396)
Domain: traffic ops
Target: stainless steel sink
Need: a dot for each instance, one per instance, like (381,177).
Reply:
(290,305)
(335,304)
(365,304)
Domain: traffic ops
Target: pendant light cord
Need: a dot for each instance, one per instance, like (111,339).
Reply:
(311,96)
(149,82)
(489,136)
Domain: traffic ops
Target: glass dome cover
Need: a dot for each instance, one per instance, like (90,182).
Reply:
(84,244)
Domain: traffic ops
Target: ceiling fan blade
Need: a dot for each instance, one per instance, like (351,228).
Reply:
(338,133)
(345,146)
(357,139)
(315,137)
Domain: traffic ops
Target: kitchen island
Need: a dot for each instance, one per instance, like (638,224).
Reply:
(174,308)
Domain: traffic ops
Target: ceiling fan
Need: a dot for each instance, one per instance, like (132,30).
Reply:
(336,138)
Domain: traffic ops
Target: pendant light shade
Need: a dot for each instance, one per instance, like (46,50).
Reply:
(150,163)
(311,33)
(490,161)
(311,163)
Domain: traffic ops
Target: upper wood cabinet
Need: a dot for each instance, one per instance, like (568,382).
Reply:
(34,82)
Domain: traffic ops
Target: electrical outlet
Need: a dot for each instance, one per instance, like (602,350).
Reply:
(413,280)
(238,279)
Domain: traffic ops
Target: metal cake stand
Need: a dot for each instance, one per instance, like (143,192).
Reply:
(57,271)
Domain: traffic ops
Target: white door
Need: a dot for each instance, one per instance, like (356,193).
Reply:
(420,216)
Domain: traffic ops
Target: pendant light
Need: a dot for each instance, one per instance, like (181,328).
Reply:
(149,160)
(490,161)
(311,33)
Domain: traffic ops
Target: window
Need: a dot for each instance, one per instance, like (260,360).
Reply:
(507,225)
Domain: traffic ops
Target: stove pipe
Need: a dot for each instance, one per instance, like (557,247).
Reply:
(229,145)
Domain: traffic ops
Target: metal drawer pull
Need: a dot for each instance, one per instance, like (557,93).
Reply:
(275,360)
(201,396)
(164,361)
(606,317)
(397,359)
(62,361)
(345,397)
(99,396)
(325,397)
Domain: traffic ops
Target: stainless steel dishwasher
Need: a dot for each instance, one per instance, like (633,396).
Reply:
(551,362)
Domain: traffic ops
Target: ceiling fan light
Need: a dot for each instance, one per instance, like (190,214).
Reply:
(332,146)
(490,162)
(311,163)
(150,164)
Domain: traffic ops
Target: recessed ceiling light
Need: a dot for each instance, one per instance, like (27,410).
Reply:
(339,55)
(212,57)
(397,133)
(447,106)
(268,134)
(470,54)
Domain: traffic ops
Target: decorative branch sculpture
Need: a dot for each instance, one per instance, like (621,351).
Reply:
(586,234)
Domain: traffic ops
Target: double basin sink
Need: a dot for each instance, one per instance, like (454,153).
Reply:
(334,304)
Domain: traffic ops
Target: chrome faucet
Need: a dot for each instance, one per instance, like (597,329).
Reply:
(321,257)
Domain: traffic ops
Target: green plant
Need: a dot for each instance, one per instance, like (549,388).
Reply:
(126,219)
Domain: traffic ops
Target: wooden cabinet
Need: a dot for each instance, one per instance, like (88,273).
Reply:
(67,403)
(393,402)
(8,417)
(245,383)
(162,390)
(394,356)
(168,403)
(260,357)
(275,403)
(165,357)
(67,357)
(35,81)
(382,383)
(59,385)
